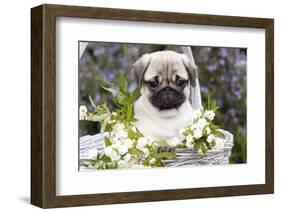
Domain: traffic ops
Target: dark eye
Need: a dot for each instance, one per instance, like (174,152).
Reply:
(153,83)
(181,82)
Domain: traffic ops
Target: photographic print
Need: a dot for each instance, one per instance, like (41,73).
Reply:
(152,105)
(114,99)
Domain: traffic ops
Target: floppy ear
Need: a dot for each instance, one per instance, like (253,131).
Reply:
(140,66)
(191,69)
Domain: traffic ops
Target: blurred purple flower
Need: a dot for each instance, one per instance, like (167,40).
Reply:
(97,98)
(222,62)
(222,78)
(223,52)
(212,67)
(112,49)
(239,63)
(99,52)
(134,50)
(231,112)
(110,76)
(132,87)
(124,62)
(204,89)
(238,94)
(234,79)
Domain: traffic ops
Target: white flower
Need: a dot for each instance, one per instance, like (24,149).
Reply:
(122,164)
(208,130)
(174,141)
(112,153)
(181,131)
(219,143)
(210,138)
(106,118)
(123,149)
(195,126)
(146,152)
(197,133)
(202,122)
(115,140)
(152,161)
(128,142)
(189,140)
(198,113)
(99,164)
(119,130)
(150,140)
(83,112)
(134,129)
(209,114)
(127,157)
(114,114)
(182,134)
(93,154)
(143,141)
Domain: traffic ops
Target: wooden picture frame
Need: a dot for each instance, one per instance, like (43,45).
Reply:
(43,105)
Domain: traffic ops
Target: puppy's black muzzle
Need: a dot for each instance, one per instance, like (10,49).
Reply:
(167,98)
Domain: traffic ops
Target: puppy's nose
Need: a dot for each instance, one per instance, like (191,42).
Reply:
(167,89)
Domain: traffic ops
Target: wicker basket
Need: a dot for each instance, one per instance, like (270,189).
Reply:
(190,157)
(184,156)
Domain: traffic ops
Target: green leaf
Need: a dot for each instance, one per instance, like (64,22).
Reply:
(131,133)
(96,118)
(134,119)
(106,159)
(161,143)
(111,90)
(214,106)
(180,146)
(213,126)
(204,148)
(135,95)
(197,145)
(169,155)
(219,134)
(112,165)
(146,162)
(103,126)
(135,151)
(209,102)
(122,83)
(188,131)
(92,101)
(160,164)
(107,141)
(121,98)
(98,78)
(86,163)
(129,112)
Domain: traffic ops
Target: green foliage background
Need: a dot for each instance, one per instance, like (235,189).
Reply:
(222,74)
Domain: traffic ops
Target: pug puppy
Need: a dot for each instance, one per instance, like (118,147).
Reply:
(165,79)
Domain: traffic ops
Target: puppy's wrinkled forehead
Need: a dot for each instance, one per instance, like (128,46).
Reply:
(166,65)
